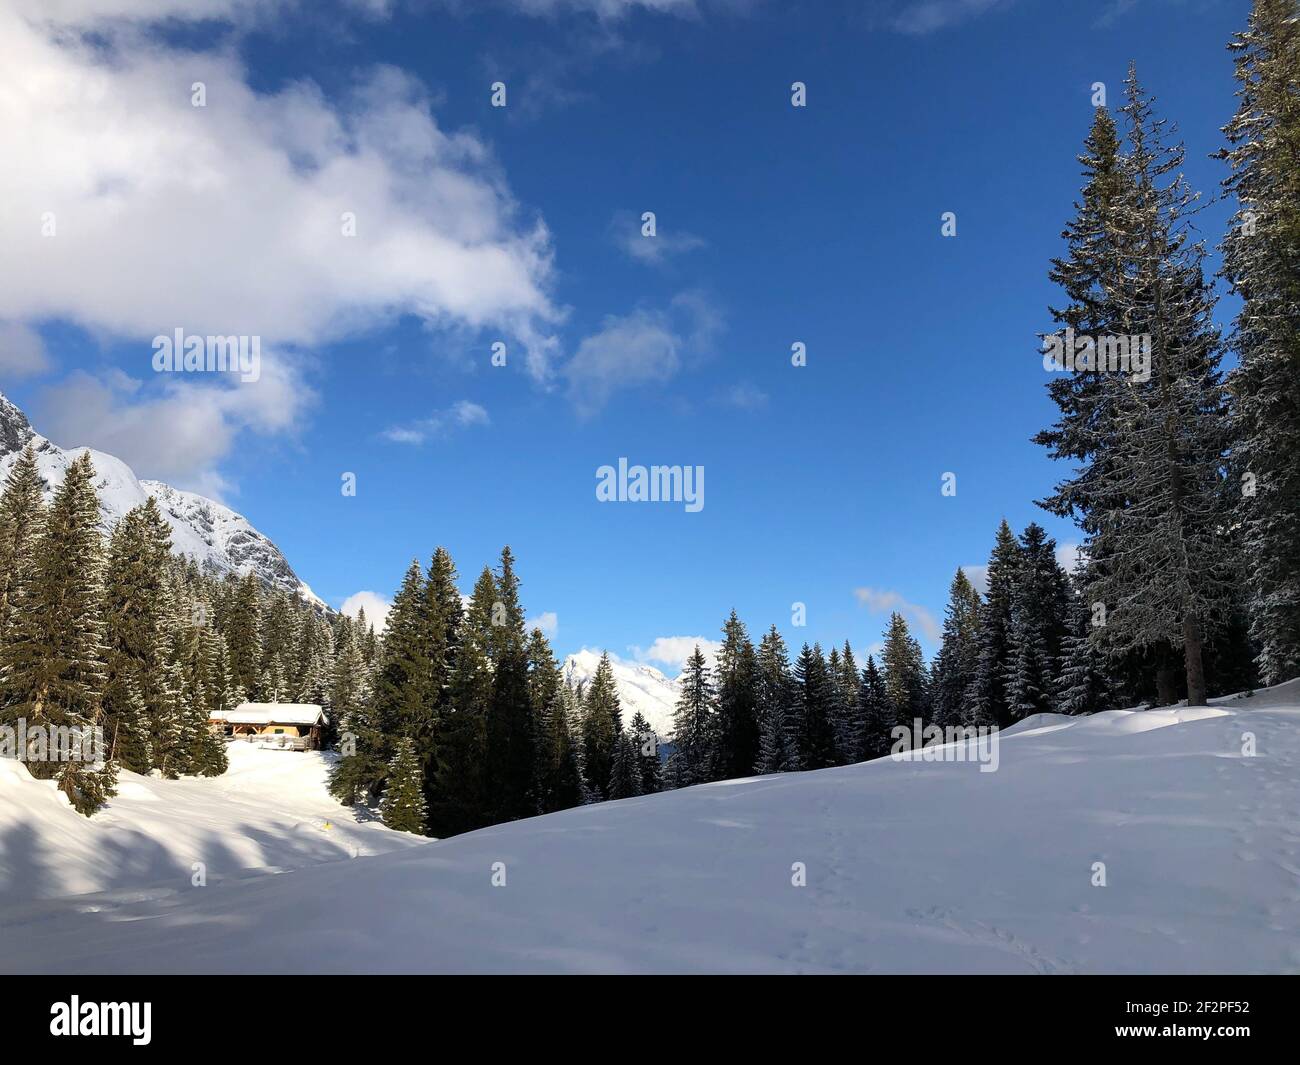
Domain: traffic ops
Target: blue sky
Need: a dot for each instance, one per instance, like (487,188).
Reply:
(521,224)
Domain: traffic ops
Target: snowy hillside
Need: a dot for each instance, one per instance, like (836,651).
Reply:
(640,687)
(205,530)
(911,866)
(270,812)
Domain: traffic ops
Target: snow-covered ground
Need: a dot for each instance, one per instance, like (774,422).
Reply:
(269,813)
(911,866)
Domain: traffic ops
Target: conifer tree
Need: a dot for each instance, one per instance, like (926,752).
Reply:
(52,670)
(986,698)
(403,807)
(510,755)
(461,802)
(736,747)
(1261,256)
(1084,682)
(243,632)
(846,717)
(877,715)
(956,664)
(1039,608)
(905,676)
(813,699)
(602,721)
(22,513)
(779,729)
(138,605)
(624,773)
(646,747)
(693,728)
(1166,579)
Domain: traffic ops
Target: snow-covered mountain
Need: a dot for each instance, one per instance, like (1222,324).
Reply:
(220,539)
(640,687)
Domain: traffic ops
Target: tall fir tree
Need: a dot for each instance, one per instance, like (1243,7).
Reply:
(22,515)
(906,680)
(778,728)
(813,699)
(693,728)
(510,755)
(986,701)
(1166,579)
(735,679)
(957,662)
(646,746)
(1039,624)
(602,721)
(877,717)
(461,801)
(52,669)
(1261,259)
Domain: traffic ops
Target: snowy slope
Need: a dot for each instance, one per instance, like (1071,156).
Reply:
(640,687)
(268,813)
(912,866)
(205,530)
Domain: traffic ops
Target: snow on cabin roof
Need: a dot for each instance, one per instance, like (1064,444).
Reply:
(273,713)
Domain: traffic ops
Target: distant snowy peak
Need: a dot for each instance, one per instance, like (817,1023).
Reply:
(640,688)
(221,540)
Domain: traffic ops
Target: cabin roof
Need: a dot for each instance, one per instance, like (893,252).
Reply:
(273,714)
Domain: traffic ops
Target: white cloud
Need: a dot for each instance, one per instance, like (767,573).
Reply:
(181,428)
(642,348)
(548,621)
(978,577)
(374,604)
(1069,556)
(745,395)
(22,351)
(926,16)
(673,651)
(625,231)
(228,218)
(880,601)
(460,415)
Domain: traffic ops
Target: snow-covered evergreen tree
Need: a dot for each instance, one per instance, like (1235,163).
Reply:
(956,664)
(403,807)
(778,729)
(693,727)
(1261,255)
(22,515)
(602,721)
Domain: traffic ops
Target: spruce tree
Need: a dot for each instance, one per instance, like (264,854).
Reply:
(1039,608)
(403,807)
(646,747)
(22,514)
(1084,681)
(905,677)
(814,696)
(736,748)
(461,802)
(986,701)
(602,721)
(510,756)
(877,716)
(1261,257)
(624,772)
(693,728)
(778,727)
(846,719)
(1166,579)
(957,662)
(52,669)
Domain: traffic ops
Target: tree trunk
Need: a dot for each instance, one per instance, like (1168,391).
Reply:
(1196,694)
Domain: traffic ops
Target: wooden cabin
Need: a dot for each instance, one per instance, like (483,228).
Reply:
(291,726)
